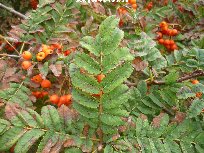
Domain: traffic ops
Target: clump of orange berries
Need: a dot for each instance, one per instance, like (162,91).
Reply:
(65,99)
(170,44)
(27,56)
(133,4)
(40,94)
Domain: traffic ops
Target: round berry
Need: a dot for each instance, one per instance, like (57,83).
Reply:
(46,84)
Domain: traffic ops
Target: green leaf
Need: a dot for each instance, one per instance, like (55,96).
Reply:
(111,120)
(171,77)
(84,111)
(142,87)
(111,61)
(45,2)
(51,118)
(108,149)
(73,150)
(85,82)
(44,69)
(191,63)
(85,61)
(10,137)
(195,109)
(116,77)
(27,140)
(84,99)
(89,43)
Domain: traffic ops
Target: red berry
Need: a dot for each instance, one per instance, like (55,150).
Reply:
(100,77)
(46,84)
(54,99)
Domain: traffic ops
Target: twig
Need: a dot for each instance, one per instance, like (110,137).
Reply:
(13,11)
(15,56)
(194,74)
(9,39)
(9,43)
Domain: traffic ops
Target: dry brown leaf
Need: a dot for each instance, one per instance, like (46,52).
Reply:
(156,121)
(56,68)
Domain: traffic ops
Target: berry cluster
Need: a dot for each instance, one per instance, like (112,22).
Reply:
(65,99)
(133,4)
(165,30)
(40,94)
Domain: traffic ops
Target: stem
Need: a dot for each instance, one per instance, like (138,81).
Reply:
(15,56)
(150,74)
(9,43)
(13,11)
(194,74)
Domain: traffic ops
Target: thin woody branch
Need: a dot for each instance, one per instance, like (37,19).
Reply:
(194,74)
(13,11)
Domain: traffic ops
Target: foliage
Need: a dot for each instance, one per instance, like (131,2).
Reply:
(112,87)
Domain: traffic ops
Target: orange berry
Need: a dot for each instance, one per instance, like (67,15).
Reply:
(149,5)
(194,81)
(46,84)
(171,42)
(56,46)
(37,94)
(47,49)
(134,6)
(40,56)
(163,24)
(132,1)
(54,99)
(174,47)
(67,52)
(37,78)
(199,94)
(122,10)
(165,30)
(44,93)
(161,41)
(174,32)
(100,77)
(159,35)
(27,55)
(168,46)
(66,100)
(167,42)
(26,65)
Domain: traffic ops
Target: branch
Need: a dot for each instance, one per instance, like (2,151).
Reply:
(194,74)
(8,55)
(10,39)
(13,11)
